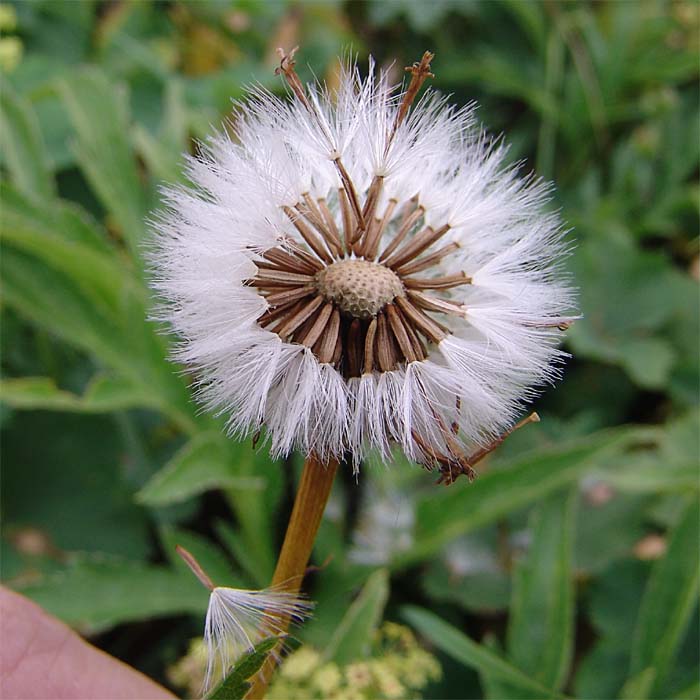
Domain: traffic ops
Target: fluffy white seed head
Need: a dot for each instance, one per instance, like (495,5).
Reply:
(347,274)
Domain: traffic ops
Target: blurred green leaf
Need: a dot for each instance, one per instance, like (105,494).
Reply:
(162,152)
(480,592)
(353,637)
(336,584)
(103,394)
(648,360)
(608,529)
(654,476)
(457,645)
(452,512)
(638,687)
(530,17)
(58,225)
(256,508)
(63,239)
(680,440)
(212,461)
(692,692)
(471,573)
(670,466)
(669,600)
(601,673)
(614,598)
(100,117)
(421,16)
(202,464)
(617,332)
(540,626)
(54,122)
(23,148)
(50,299)
(64,278)
(60,30)
(94,592)
(54,301)
(613,609)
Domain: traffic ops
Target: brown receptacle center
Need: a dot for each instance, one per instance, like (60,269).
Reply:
(359,288)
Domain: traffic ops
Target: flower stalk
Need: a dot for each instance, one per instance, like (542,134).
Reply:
(310,502)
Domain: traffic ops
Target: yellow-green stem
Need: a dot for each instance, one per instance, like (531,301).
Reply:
(309,504)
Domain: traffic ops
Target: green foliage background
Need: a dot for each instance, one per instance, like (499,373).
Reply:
(571,565)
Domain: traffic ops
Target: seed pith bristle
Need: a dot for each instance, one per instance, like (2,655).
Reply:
(409,222)
(353,304)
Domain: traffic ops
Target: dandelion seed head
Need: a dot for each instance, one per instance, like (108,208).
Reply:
(358,269)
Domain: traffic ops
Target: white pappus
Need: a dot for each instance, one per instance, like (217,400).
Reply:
(238,619)
(358,268)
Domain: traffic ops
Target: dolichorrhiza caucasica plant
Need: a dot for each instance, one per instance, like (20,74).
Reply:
(356,269)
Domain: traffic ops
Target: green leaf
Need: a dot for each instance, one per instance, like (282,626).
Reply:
(638,687)
(493,688)
(609,530)
(669,600)
(52,300)
(458,646)
(164,160)
(654,476)
(59,272)
(484,585)
(163,152)
(679,439)
(23,148)
(65,239)
(614,599)
(445,515)
(531,19)
(236,685)
(353,637)
(618,333)
(648,361)
(540,630)
(103,394)
(256,509)
(601,673)
(251,479)
(204,463)
(100,117)
(691,692)
(671,466)
(612,607)
(336,586)
(32,228)
(94,592)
